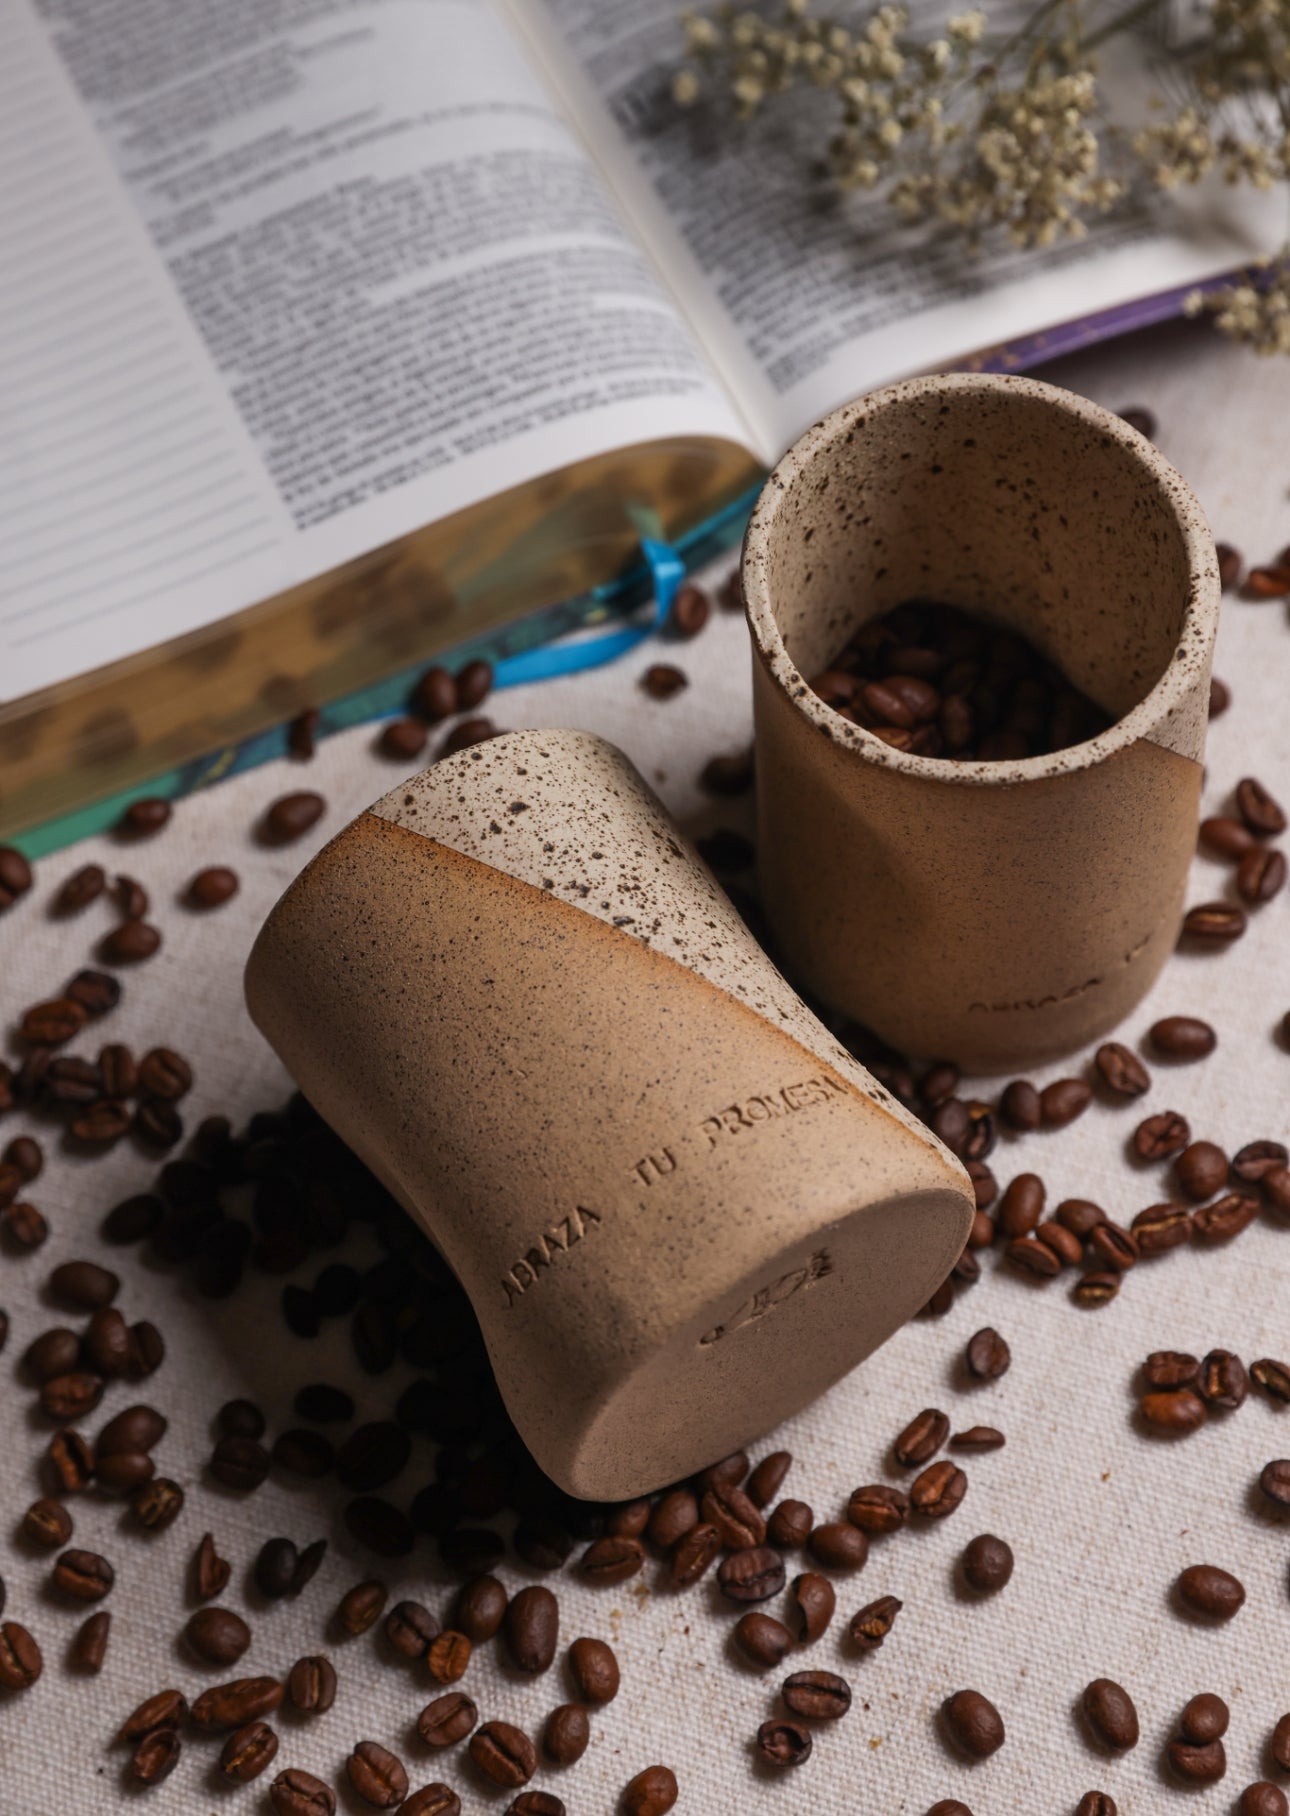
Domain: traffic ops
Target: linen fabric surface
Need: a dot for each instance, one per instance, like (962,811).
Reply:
(1100,1517)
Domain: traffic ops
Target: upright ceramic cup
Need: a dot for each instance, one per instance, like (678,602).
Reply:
(679,1207)
(994,913)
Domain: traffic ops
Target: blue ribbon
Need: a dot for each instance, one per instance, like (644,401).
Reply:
(570,655)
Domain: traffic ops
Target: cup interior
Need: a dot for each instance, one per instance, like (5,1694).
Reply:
(1008,498)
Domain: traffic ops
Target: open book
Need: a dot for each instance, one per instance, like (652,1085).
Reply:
(333,332)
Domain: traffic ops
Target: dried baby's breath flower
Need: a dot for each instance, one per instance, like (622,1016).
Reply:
(1257,314)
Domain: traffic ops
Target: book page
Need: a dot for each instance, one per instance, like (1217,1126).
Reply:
(280,281)
(805,297)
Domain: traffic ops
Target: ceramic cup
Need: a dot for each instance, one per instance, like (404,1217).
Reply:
(999,913)
(678,1206)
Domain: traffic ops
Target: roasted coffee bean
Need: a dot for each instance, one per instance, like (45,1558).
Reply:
(1230,564)
(234,1704)
(949,1806)
(973,1724)
(84,1576)
(1260,812)
(987,1564)
(812,1602)
(1201,1170)
(1273,1377)
(938,1491)
(297,1793)
(737,1518)
(1168,1368)
(130,943)
(870,1627)
(130,898)
(303,1453)
(95,991)
(1222,1380)
(474,684)
(50,1024)
(107,1344)
(124,1471)
(1095,1290)
(988,1356)
(1122,1071)
(839,1545)
(816,1695)
(217,1635)
(372,1455)
(1062,1101)
(1214,923)
(157,1504)
(15,875)
(84,1285)
(311,1684)
(1029,1256)
(1279,1745)
(479,1608)
(613,1560)
(132,1219)
(1275,1185)
(567,1733)
(136,1428)
(165,1074)
(435,695)
(240,1463)
(503,1754)
(1261,874)
(448,1719)
(20,1660)
(662,680)
(1226,1217)
(761,1639)
(26,1154)
(1205,1718)
(726,1472)
(1177,1413)
(674,1514)
(542,1543)
(1182,1037)
(1264,1799)
(46,1523)
(433,1800)
(54,1352)
(248,1751)
(1205,1590)
(1257,1159)
(165,1709)
(750,1576)
(1161,1135)
(531,1629)
(783,1743)
(652,1792)
(1068,1248)
(1020,1106)
(790,1525)
(212,887)
(1161,1227)
(362,1606)
(690,611)
(89,1648)
(981,1234)
(290,817)
(448,1656)
(1226,838)
(879,1508)
(535,1803)
(155,1757)
(1113,1247)
(728,775)
(81,888)
(629,1518)
(402,739)
(1192,1764)
(144,817)
(409,1628)
(919,1442)
(157,1124)
(1274,1480)
(71,1460)
(24,1229)
(594,1671)
(465,734)
(376,1776)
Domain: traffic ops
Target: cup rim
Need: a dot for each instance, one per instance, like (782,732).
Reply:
(1200,617)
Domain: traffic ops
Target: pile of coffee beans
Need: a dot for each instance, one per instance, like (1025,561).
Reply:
(937,681)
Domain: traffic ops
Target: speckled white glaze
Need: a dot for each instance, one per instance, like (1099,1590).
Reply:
(679,1207)
(1001,912)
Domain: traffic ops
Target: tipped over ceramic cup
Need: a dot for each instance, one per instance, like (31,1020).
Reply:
(993,913)
(680,1209)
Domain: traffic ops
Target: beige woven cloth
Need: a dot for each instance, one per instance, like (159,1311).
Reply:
(1101,1519)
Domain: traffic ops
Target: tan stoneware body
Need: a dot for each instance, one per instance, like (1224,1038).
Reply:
(679,1207)
(1000,913)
